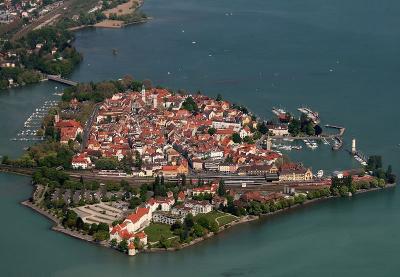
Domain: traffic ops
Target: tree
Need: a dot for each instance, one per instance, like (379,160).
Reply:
(221,188)
(211,131)
(309,129)
(114,243)
(190,105)
(294,127)
(134,202)
(188,221)
(317,130)
(106,163)
(138,160)
(214,227)
(343,191)
(236,138)
(79,223)
(79,137)
(70,219)
(198,230)
(123,246)
(262,128)
(248,140)
(93,229)
(101,235)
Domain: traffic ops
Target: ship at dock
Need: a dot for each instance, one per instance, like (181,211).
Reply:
(313,116)
(282,114)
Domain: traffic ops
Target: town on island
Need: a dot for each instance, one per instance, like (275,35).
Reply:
(139,168)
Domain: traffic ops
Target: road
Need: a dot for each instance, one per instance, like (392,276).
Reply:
(88,126)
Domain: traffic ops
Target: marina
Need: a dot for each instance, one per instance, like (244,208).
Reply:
(33,123)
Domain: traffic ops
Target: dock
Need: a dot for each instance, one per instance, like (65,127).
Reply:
(59,79)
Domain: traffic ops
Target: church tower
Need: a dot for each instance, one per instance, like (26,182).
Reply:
(143,93)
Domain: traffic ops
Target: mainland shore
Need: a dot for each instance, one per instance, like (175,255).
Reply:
(124,9)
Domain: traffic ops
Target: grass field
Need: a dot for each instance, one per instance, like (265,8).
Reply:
(220,217)
(155,231)
(225,219)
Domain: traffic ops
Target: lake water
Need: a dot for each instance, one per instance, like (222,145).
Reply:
(339,57)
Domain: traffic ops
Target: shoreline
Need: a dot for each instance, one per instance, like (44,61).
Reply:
(107,23)
(253,218)
(57,227)
(123,25)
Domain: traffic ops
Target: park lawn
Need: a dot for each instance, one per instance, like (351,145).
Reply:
(155,231)
(225,219)
(211,215)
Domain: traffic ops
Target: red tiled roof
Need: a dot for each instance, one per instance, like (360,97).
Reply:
(140,212)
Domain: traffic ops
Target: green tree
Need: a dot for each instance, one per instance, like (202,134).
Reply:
(263,128)
(236,138)
(189,221)
(123,246)
(101,235)
(221,188)
(211,131)
(198,230)
(113,243)
(294,127)
(190,105)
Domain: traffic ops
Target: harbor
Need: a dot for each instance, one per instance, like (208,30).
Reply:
(33,123)
(312,142)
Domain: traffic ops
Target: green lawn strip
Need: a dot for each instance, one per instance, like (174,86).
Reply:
(211,215)
(220,217)
(155,231)
(225,219)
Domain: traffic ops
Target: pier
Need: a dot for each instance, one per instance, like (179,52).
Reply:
(59,79)
(341,129)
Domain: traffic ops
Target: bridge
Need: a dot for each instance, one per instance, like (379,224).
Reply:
(58,79)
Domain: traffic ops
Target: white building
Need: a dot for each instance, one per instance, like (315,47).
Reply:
(167,218)
(81,161)
(225,125)
(163,203)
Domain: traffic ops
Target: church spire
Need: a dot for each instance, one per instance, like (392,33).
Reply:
(143,93)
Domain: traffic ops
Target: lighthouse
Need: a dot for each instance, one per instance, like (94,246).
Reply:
(353,146)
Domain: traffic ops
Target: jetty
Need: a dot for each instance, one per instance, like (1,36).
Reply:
(341,129)
(59,79)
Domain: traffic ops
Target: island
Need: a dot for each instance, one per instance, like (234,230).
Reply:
(141,168)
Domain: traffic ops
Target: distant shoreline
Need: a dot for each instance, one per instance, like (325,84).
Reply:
(114,24)
(82,27)
(77,235)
